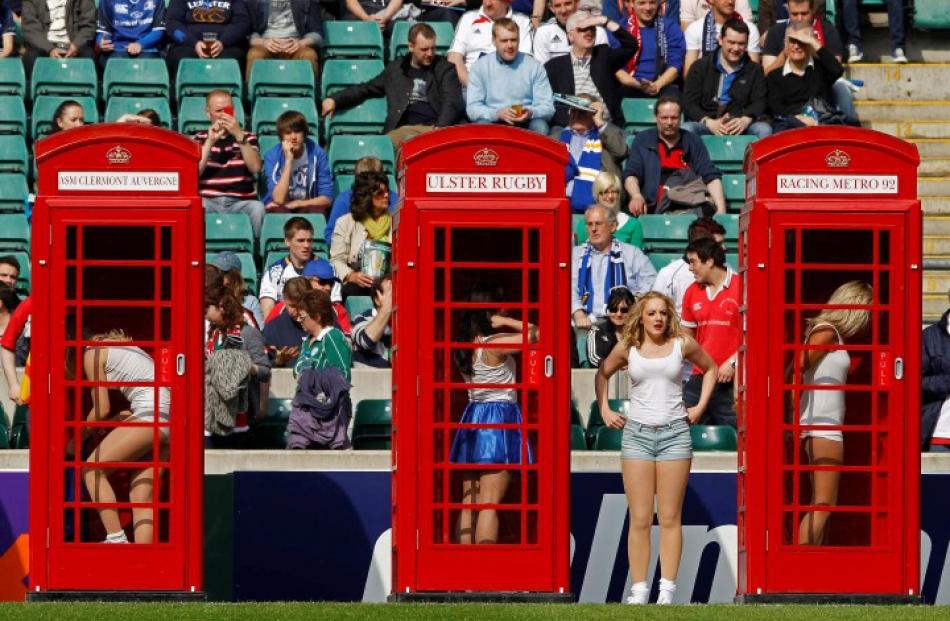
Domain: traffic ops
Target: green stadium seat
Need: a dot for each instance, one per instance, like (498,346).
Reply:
(23,280)
(118,106)
(344,151)
(931,14)
(638,114)
(138,77)
(12,77)
(353,39)
(267,109)
(345,182)
(4,430)
(13,192)
(594,420)
(358,304)
(20,430)
(192,116)
(272,232)
(578,441)
(64,76)
(248,268)
(732,260)
(662,259)
(14,156)
(44,107)
(608,439)
(198,76)
(713,437)
(662,233)
(339,74)
(580,341)
(281,78)
(372,425)
(727,152)
(733,186)
(271,433)
(14,232)
(730,222)
(576,414)
(12,115)
(266,143)
(367,118)
(228,231)
(399,40)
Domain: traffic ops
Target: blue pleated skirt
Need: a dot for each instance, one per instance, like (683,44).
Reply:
(489,445)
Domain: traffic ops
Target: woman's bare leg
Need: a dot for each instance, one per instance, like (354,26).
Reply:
(671,479)
(466,523)
(639,485)
(122,444)
(821,452)
(492,486)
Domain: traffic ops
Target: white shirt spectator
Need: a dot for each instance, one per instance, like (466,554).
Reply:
(550,41)
(691,10)
(694,37)
(673,281)
(473,37)
(275,277)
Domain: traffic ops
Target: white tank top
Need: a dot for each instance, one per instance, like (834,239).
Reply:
(656,389)
(825,407)
(485,374)
(131,364)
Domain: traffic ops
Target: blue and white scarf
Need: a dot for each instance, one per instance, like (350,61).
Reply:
(711,31)
(584,169)
(615,274)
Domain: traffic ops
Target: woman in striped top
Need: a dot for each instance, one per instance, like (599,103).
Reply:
(324,346)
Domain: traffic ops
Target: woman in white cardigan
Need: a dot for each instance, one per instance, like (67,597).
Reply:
(368,220)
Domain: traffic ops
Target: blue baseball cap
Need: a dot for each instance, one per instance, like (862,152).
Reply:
(319,268)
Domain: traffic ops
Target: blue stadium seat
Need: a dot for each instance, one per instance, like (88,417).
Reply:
(75,77)
(44,107)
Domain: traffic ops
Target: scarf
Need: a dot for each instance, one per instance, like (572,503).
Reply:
(378,229)
(633,27)
(585,169)
(711,32)
(615,276)
(818,29)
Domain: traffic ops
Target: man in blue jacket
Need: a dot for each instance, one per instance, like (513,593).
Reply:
(285,29)
(297,171)
(660,155)
(935,387)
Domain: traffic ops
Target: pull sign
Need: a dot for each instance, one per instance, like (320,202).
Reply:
(533,367)
(884,369)
(164,365)
(898,368)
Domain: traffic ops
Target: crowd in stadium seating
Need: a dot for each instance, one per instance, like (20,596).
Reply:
(631,88)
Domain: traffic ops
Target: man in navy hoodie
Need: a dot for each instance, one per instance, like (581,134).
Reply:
(206,29)
(297,171)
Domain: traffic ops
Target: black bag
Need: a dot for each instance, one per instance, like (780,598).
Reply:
(683,193)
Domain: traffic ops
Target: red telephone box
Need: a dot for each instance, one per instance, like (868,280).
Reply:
(829,464)
(117,263)
(483,227)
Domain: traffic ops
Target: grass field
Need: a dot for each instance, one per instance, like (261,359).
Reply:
(473,612)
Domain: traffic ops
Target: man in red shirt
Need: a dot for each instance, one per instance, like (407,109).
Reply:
(711,312)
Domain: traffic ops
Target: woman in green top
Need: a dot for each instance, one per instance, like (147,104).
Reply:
(607,192)
(324,346)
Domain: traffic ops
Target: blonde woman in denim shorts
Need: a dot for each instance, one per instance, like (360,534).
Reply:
(656,449)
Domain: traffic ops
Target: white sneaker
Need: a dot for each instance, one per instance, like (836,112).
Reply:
(855,55)
(898,56)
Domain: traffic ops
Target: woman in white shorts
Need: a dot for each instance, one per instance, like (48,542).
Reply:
(122,363)
(824,367)
(656,450)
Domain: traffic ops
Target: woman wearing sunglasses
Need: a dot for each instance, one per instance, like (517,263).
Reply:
(604,334)
(656,449)
(368,220)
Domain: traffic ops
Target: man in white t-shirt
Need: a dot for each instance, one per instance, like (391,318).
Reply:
(675,278)
(692,10)
(702,35)
(473,35)
(298,234)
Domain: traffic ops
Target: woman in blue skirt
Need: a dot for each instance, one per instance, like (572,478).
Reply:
(492,364)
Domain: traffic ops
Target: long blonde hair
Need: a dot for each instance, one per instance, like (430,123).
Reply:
(116,334)
(847,321)
(633,330)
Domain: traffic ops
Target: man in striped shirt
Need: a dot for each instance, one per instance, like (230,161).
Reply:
(230,159)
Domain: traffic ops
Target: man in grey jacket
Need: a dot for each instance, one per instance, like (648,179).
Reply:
(421,89)
(57,29)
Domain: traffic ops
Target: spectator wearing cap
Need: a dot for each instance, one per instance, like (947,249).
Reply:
(372,337)
(230,266)
(550,38)
(297,170)
(322,276)
(593,146)
(509,87)
(298,235)
(589,67)
(474,39)
(657,64)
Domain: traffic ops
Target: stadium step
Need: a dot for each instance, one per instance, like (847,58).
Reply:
(934,166)
(933,307)
(901,110)
(932,147)
(911,129)
(936,205)
(933,186)
(936,246)
(913,81)
(938,225)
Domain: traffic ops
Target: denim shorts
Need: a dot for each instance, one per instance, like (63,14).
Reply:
(656,442)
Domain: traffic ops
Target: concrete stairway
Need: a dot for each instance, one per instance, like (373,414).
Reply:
(913,102)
